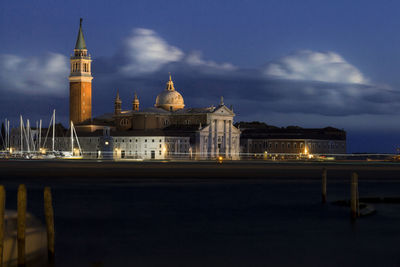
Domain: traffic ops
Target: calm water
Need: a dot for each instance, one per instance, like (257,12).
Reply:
(216,223)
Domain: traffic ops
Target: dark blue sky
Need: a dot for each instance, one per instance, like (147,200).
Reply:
(308,63)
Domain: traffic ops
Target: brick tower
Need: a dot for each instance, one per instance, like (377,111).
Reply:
(80,82)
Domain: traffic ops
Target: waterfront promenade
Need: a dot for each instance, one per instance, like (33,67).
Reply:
(81,169)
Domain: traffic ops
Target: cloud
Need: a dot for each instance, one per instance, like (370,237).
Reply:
(195,59)
(145,51)
(315,66)
(47,75)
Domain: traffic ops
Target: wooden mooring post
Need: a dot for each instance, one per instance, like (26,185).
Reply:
(2,214)
(49,216)
(324,182)
(21,221)
(354,205)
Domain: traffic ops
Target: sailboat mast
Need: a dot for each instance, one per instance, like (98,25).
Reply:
(27,134)
(77,141)
(37,131)
(54,129)
(72,138)
(20,126)
(40,133)
(8,135)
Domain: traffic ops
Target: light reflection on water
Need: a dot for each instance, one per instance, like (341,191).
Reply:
(217,223)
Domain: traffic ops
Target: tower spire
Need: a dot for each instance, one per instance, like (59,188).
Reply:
(117,99)
(80,41)
(117,104)
(135,103)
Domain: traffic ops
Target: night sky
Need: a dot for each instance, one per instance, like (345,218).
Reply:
(307,63)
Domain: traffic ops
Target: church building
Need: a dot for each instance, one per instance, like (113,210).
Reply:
(199,133)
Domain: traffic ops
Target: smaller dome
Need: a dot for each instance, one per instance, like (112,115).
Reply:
(169,99)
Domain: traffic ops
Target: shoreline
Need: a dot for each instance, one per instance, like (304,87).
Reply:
(29,170)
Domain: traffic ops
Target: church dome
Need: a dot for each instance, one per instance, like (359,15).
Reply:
(169,99)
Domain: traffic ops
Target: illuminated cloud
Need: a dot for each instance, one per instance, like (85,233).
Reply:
(195,59)
(145,51)
(47,75)
(315,66)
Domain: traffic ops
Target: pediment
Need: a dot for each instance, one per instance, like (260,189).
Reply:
(223,110)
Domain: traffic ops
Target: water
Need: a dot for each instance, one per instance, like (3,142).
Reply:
(216,223)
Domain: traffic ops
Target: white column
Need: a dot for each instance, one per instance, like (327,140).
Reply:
(230,138)
(216,138)
(210,144)
(225,139)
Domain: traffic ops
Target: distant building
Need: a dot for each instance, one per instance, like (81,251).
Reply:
(259,137)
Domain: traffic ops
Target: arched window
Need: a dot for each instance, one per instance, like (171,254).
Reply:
(124,122)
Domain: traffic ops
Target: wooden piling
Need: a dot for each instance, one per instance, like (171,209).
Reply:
(324,182)
(49,216)
(2,214)
(21,221)
(354,196)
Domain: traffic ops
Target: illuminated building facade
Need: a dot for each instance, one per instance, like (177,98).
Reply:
(259,138)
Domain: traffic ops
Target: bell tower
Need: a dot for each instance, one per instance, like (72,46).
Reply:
(80,82)
(135,103)
(117,104)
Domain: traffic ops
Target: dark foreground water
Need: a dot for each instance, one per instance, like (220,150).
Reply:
(216,223)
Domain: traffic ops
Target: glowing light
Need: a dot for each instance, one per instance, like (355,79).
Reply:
(11,150)
(43,150)
(106,143)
